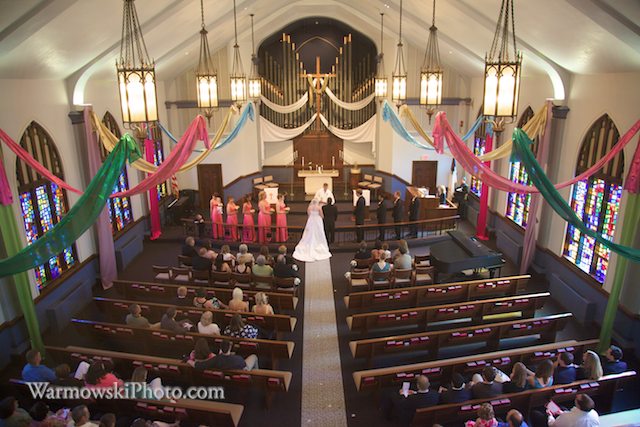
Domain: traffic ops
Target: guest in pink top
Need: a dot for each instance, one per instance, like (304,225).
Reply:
(282,234)
(264,218)
(216,217)
(99,376)
(232,218)
(248,232)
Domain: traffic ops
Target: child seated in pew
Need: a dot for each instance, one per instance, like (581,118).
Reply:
(212,303)
(486,417)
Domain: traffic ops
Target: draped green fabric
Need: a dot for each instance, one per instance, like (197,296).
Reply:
(80,217)
(538,178)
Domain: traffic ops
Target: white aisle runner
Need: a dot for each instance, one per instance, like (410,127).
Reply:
(322,392)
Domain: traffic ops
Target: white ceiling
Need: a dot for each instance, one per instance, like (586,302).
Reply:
(60,39)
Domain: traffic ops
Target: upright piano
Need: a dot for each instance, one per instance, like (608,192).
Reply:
(464,252)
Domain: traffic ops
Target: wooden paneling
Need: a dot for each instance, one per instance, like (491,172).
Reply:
(209,182)
(424,174)
(318,148)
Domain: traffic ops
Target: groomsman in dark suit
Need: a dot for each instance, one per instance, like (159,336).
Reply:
(330,213)
(359,214)
(397,213)
(381,214)
(413,216)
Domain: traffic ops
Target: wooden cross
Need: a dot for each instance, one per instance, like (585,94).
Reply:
(318,86)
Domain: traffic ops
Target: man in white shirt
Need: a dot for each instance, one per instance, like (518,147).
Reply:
(581,415)
(324,193)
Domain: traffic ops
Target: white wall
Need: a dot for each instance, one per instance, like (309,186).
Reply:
(278,153)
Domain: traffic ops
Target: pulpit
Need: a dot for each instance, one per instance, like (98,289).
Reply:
(429,206)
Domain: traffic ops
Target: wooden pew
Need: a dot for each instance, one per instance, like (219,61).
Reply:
(117,309)
(565,394)
(174,371)
(201,412)
(523,306)
(432,341)
(131,289)
(149,340)
(440,371)
(438,293)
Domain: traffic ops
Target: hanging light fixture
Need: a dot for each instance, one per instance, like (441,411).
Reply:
(502,68)
(206,77)
(399,77)
(238,79)
(254,78)
(381,79)
(136,72)
(431,72)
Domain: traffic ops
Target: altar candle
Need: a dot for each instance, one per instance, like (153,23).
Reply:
(333,161)
(302,161)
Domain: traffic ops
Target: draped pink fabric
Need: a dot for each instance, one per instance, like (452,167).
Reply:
(481,225)
(6,197)
(154,209)
(632,183)
(106,249)
(471,163)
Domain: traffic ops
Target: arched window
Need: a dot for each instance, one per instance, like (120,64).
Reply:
(43,203)
(119,207)
(518,203)
(158,158)
(479,142)
(596,200)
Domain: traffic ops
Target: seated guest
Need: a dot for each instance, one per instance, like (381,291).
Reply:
(377,248)
(402,260)
(362,253)
(227,256)
(261,268)
(282,250)
(108,420)
(181,299)
(613,363)
(43,417)
(243,253)
(404,407)
(221,265)
(282,269)
(591,368)
(211,254)
(226,360)
(81,417)
(387,252)
(237,302)
(262,305)
(457,392)
(381,266)
(201,262)
(565,371)
(212,303)
(11,415)
(486,388)
(486,417)
(136,319)
(264,251)
(237,328)
(206,325)
(201,351)
(152,390)
(242,266)
(517,380)
(582,414)
(34,371)
(514,419)
(543,376)
(189,247)
(64,378)
(169,322)
(98,376)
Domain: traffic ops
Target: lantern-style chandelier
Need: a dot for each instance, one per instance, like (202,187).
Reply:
(238,79)
(381,79)
(254,78)
(503,67)
(136,72)
(431,72)
(399,77)
(206,77)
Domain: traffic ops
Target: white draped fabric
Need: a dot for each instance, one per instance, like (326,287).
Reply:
(353,106)
(366,132)
(286,108)
(272,133)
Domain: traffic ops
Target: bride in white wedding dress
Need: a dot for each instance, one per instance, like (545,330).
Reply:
(313,245)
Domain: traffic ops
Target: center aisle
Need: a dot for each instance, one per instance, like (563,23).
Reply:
(322,391)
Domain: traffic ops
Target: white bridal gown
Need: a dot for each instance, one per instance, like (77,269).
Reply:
(313,246)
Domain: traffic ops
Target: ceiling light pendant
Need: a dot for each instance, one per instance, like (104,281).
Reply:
(135,72)
(431,72)
(381,79)
(502,68)
(399,77)
(238,78)
(206,77)
(255,81)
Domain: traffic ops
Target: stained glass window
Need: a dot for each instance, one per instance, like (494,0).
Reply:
(479,145)
(42,203)
(120,212)
(517,203)
(596,200)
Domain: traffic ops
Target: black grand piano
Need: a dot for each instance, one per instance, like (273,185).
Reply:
(463,252)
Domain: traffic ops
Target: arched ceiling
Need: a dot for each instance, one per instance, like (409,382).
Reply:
(78,39)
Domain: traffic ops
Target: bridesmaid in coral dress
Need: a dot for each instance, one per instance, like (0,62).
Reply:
(232,218)
(264,218)
(248,232)
(215,219)
(282,234)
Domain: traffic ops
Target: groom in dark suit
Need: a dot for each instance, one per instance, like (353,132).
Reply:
(359,213)
(330,213)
